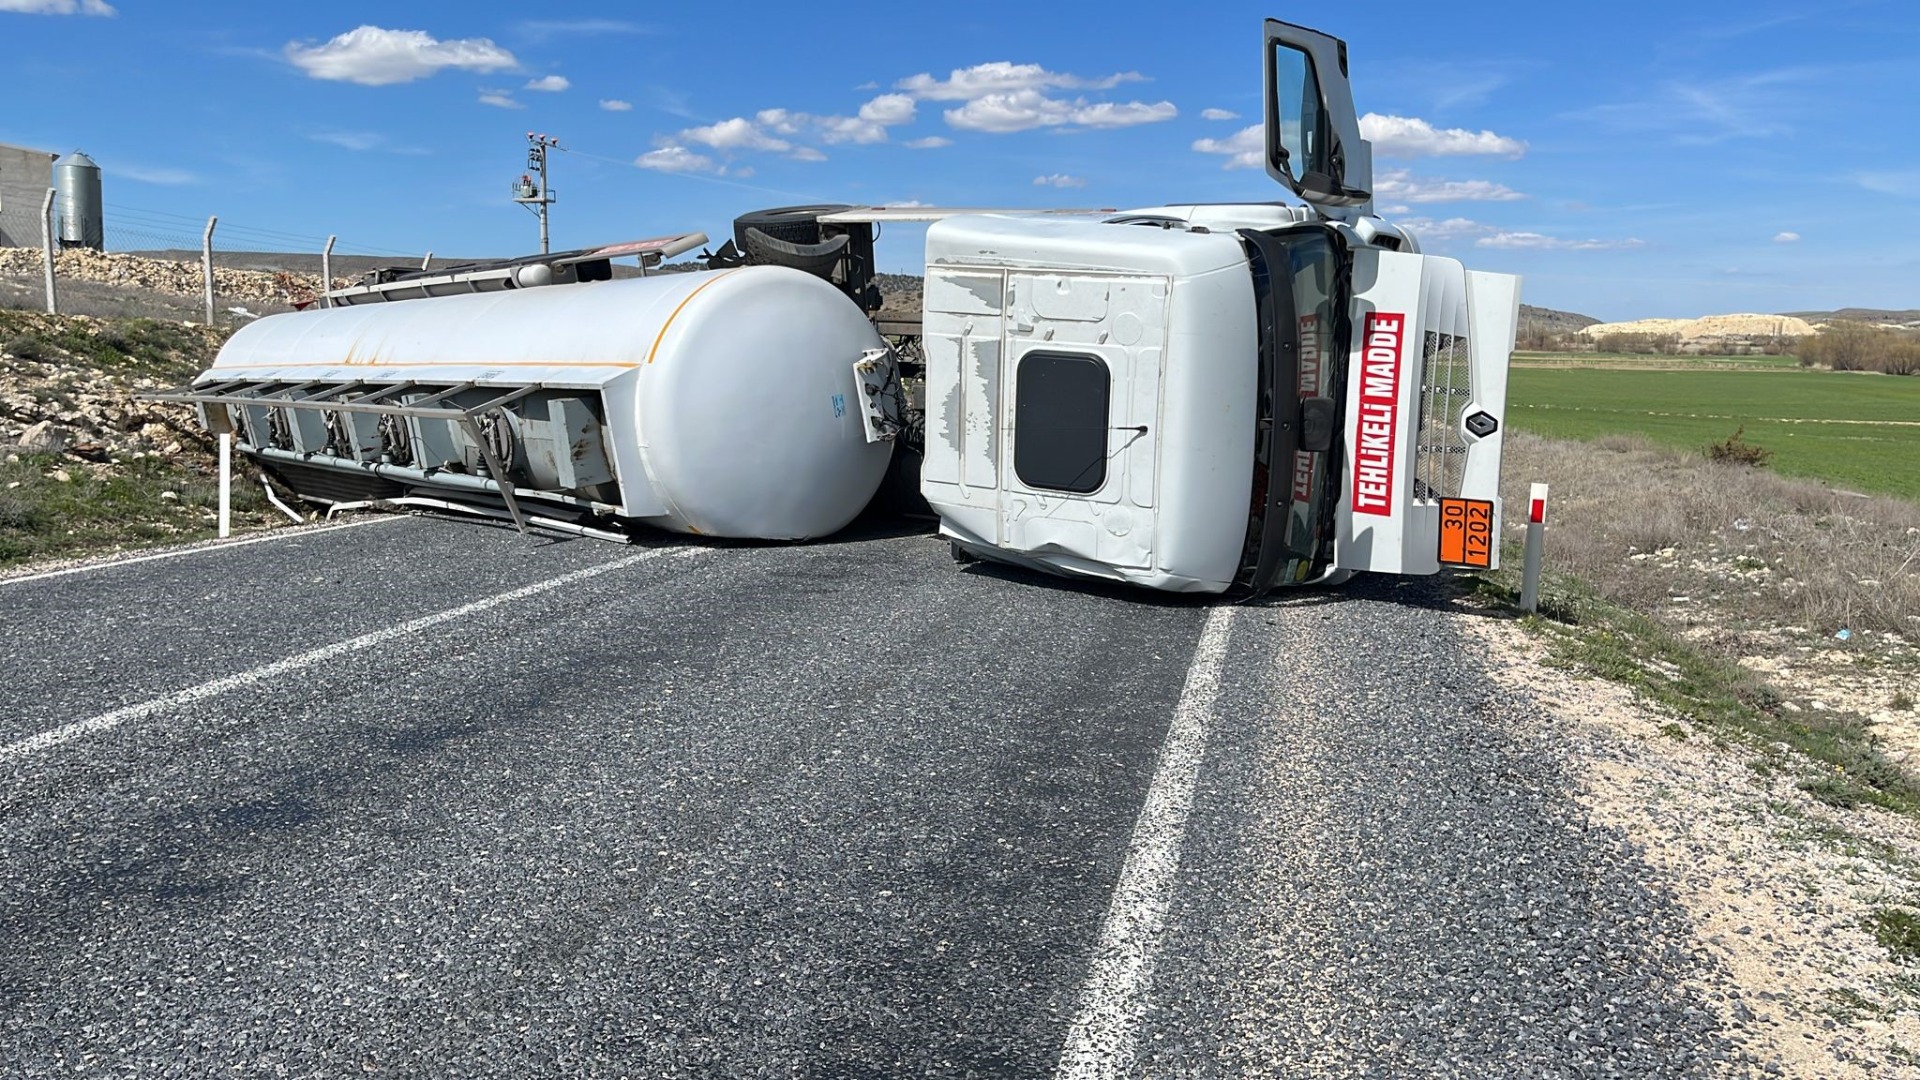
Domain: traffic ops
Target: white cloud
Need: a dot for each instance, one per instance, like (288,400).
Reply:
(1786,238)
(542,29)
(781,120)
(807,153)
(1407,136)
(1449,229)
(1906,184)
(1060,180)
(499,99)
(1490,236)
(1752,105)
(616,105)
(1021,110)
(1244,149)
(372,56)
(1399,184)
(169,177)
(1002,77)
(759,133)
(1108,114)
(348,140)
(548,84)
(1532,241)
(1016,111)
(931,142)
(1218,114)
(674,159)
(58,7)
(888,109)
(904,204)
(743,171)
(1000,96)
(363,141)
(739,133)
(850,129)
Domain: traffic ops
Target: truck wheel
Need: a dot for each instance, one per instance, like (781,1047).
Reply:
(791,224)
(961,555)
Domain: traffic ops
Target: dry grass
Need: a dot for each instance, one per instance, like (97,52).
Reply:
(1660,530)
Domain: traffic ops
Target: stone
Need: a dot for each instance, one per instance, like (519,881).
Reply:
(42,436)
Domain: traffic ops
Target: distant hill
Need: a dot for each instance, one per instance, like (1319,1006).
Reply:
(1908,317)
(1738,328)
(1548,321)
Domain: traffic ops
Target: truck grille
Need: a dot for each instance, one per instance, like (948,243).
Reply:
(1446,389)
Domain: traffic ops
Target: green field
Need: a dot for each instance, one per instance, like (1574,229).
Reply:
(1859,432)
(1644,362)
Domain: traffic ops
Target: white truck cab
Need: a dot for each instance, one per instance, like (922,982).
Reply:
(1211,397)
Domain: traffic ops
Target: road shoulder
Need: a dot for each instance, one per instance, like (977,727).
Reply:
(1782,891)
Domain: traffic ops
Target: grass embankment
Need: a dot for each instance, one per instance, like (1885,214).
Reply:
(100,471)
(1759,608)
(1857,431)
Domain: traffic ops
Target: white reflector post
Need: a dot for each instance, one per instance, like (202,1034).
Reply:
(226,485)
(1536,536)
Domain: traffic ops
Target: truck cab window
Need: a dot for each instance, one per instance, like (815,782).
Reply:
(1060,412)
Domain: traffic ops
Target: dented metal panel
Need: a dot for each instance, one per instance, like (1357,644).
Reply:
(580,452)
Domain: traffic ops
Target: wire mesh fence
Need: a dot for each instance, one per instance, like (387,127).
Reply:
(160,264)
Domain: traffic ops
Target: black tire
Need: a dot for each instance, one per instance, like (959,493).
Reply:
(961,555)
(791,224)
(816,259)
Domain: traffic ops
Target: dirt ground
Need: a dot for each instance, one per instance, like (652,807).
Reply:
(1781,888)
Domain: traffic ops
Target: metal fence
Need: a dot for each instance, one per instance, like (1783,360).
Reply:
(159,264)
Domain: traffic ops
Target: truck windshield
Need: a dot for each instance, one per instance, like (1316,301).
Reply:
(1300,279)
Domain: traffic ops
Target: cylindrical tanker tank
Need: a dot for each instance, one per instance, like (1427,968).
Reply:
(721,403)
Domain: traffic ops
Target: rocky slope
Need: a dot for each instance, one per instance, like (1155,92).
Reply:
(83,465)
(231,286)
(1710,328)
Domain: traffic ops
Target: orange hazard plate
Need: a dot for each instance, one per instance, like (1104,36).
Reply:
(1466,533)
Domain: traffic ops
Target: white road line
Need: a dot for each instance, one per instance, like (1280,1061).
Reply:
(92,725)
(198,549)
(1100,1042)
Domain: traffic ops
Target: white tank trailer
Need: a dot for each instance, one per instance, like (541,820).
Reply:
(729,403)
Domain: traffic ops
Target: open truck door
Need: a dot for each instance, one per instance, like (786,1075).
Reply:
(1313,143)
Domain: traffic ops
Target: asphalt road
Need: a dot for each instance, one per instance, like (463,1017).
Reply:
(424,798)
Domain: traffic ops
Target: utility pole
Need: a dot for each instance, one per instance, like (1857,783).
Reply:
(535,195)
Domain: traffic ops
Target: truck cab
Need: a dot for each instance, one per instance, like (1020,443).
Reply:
(1206,398)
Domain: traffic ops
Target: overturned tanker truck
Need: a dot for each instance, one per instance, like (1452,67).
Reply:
(1196,398)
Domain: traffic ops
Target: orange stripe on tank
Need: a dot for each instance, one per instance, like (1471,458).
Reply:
(676,312)
(249,365)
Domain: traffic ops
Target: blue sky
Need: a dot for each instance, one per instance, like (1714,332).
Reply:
(1630,159)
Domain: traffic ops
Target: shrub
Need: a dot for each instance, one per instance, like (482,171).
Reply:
(1735,450)
(1853,346)
(28,347)
(1897,931)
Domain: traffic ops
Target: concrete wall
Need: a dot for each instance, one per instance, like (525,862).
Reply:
(25,176)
